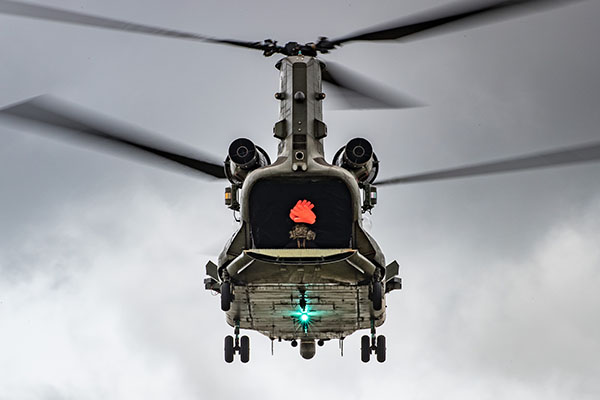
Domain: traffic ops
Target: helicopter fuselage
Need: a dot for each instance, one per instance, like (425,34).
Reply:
(292,288)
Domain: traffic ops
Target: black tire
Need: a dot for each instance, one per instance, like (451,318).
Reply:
(245,349)
(380,348)
(365,348)
(376,296)
(225,296)
(229,349)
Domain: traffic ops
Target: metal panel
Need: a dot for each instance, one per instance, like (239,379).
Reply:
(335,310)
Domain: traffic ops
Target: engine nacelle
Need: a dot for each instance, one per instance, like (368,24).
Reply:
(243,157)
(358,157)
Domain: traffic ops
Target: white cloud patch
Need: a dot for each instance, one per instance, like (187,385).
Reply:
(69,327)
(535,321)
(126,316)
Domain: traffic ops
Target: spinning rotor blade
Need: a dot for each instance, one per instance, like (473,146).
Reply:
(453,16)
(72,17)
(360,92)
(572,155)
(83,126)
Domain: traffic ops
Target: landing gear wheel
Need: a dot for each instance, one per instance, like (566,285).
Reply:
(226,296)
(229,349)
(365,348)
(376,296)
(245,349)
(380,350)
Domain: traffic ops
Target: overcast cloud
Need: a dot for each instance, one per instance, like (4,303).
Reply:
(102,259)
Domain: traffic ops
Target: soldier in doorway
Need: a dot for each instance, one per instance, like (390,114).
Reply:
(303,216)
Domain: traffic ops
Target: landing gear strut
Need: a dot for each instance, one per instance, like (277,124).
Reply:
(226,296)
(376,295)
(240,345)
(376,292)
(372,344)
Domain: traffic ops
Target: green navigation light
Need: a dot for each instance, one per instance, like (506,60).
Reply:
(304,316)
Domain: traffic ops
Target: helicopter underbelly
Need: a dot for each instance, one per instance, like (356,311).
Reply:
(334,311)
(325,294)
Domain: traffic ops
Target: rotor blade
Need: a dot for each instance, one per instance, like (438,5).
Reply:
(454,16)
(573,155)
(84,126)
(360,92)
(72,17)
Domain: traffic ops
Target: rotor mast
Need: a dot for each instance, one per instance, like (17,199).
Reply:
(300,127)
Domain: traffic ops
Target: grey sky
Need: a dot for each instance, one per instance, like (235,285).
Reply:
(102,259)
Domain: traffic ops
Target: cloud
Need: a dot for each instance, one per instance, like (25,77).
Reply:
(534,322)
(128,317)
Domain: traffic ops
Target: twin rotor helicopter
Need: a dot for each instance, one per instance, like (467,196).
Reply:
(300,267)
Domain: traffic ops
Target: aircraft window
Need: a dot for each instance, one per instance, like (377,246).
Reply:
(270,204)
